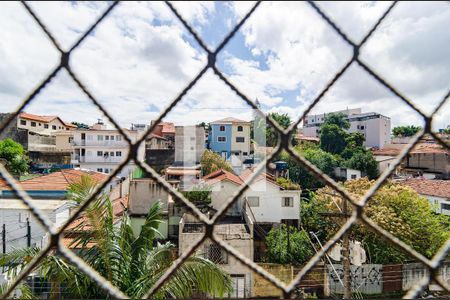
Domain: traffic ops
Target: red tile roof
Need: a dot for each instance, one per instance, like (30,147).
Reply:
(247,173)
(220,175)
(438,188)
(56,181)
(44,119)
(167,127)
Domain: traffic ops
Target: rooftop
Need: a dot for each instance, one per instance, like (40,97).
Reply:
(229,120)
(44,119)
(421,148)
(56,181)
(438,188)
(220,175)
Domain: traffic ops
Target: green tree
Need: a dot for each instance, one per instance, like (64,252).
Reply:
(288,245)
(212,162)
(397,209)
(14,156)
(199,195)
(81,125)
(131,263)
(338,119)
(365,162)
(283,120)
(332,138)
(405,131)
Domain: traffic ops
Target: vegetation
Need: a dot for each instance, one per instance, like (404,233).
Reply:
(131,263)
(81,125)
(287,184)
(288,245)
(261,126)
(397,209)
(200,195)
(212,162)
(16,161)
(405,131)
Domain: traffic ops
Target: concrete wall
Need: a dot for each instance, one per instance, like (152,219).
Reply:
(143,193)
(435,162)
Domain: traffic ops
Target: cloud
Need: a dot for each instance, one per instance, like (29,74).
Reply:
(141,57)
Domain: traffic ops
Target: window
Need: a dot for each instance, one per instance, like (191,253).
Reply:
(106,137)
(221,139)
(54,127)
(106,170)
(353,176)
(33,124)
(46,126)
(287,202)
(222,128)
(192,148)
(99,137)
(240,139)
(240,128)
(99,170)
(118,137)
(216,254)
(67,128)
(445,206)
(118,153)
(236,153)
(70,139)
(40,124)
(111,138)
(99,153)
(253,201)
(111,153)
(244,153)
(362,127)
(23,122)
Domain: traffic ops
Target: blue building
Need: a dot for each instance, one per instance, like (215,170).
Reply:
(230,136)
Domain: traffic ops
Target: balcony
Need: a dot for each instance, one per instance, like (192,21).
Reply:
(95,143)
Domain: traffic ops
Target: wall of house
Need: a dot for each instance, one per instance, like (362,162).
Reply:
(436,203)
(63,142)
(220,147)
(221,192)
(245,133)
(270,202)
(159,159)
(40,126)
(384,162)
(14,214)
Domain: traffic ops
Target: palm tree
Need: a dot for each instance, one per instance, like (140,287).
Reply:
(133,264)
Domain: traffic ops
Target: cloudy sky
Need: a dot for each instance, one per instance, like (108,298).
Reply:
(141,57)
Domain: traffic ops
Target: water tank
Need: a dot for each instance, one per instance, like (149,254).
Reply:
(281,165)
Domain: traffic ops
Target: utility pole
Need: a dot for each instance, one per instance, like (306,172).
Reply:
(28,233)
(4,238)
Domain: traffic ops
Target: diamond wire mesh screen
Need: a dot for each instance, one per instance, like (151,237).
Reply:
(283,144)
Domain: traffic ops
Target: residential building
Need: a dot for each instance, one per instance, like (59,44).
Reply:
(238,233)
(347,173)
(375,127)
(165,130)
(49,195)
(230,136)
(103,150)
(267,200)
(189,144)
(42,124)
(436,191)
(155,142)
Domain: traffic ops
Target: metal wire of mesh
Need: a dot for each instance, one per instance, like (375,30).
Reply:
(283,144)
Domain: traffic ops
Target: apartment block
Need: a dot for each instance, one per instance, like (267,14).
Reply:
(375,127)
(103,150)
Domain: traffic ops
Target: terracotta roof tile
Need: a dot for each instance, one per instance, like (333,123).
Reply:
(421,148)
(230,120)
(220,175)
(44,119)
(438,188)
(56,181)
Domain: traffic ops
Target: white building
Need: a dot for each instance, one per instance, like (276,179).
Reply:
(268,201)
(375,127)
(103,150)
(347,173)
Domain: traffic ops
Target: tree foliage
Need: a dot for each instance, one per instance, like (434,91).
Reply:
(363,161)
(397,209)
(405,131)
(199,195)
(332,138)
(338,119)
(81,125)
(131,263)
(288,245)
(17,162)
(261,127)
(212,162)
(287,184)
